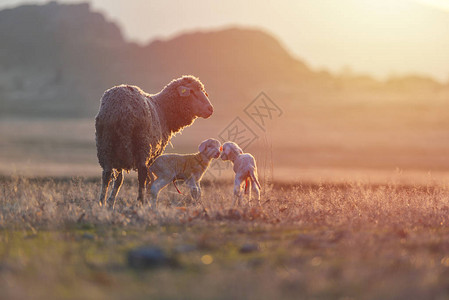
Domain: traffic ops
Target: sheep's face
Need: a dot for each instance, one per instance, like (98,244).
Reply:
(230,151)
(199,101)
(210,148)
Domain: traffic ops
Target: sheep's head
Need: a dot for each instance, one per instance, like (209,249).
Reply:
(230,151)
(210,148)
(192,90)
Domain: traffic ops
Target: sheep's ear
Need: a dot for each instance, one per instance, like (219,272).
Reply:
(183,91)
(237,149)
(202,146)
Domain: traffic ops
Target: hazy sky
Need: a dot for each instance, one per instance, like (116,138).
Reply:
(380,37)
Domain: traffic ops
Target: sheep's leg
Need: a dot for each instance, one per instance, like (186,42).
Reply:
(150,180)
(142,172)
(195,190)
(248,190)
(157,185)
(237,191)
(247,186)
(150,175)
(198,193)
(105,180)
(256,191)
(117,184)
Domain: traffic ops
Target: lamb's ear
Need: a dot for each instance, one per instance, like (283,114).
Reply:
(183,91)
(238,149)
(202,146)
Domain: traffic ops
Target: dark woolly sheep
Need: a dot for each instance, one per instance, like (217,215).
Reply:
(132,127)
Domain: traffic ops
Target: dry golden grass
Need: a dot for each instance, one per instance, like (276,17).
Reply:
(54,202)
(351,241)
(367,232)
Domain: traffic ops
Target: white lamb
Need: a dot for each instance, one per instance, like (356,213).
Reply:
(187,167)
(245,171)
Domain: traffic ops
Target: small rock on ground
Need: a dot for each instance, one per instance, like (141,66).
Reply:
(248,248)
(88,236)
(185,248)
(149,257)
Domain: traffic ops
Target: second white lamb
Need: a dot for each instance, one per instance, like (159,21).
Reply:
(245,171)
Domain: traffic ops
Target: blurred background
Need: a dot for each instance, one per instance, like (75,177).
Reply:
(352,89)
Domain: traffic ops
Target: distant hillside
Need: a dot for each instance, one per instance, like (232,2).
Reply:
(53,58)
(56,60)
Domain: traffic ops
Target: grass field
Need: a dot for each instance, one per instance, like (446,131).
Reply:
(355,205)
(354,170)
(318,241)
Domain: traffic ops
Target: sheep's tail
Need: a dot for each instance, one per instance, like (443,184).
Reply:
(254,179)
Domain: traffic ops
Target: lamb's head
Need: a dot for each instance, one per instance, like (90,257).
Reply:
(230,151)
(210,148)
(191,91)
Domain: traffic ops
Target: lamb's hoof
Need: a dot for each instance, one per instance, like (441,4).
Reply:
(110,203)
(153,207)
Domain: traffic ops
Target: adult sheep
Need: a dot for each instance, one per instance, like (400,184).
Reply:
(132,127)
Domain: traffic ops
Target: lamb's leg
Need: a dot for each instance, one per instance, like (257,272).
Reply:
(195,189)
(117,184)
(237,191)
(255,192)
(105,180)
(249,184)
(142,172)
(150,174)
(157,185)
(150,180)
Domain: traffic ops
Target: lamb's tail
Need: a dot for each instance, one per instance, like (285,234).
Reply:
(176,187)
(150,178)
(254,178)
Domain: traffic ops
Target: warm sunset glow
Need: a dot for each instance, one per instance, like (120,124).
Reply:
(377,37)
(316,165)
(380,38)
(440,4)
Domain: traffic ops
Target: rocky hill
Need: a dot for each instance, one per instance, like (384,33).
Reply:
(57,59)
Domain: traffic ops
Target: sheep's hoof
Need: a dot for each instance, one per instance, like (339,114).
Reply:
(111,205)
